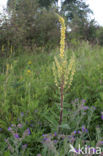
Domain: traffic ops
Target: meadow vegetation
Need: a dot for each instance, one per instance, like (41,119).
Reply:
(51,79)
(30,101)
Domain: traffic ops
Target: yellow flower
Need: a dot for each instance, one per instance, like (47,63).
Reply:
(28,71)
(2,48)
(29,62)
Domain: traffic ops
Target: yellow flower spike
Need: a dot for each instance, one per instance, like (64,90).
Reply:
(62,40)
(29,62)
(28,71)
(2,49)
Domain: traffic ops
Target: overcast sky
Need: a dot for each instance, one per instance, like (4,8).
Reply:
(3,3)
(95,5)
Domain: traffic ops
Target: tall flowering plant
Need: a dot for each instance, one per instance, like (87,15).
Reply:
(62,70)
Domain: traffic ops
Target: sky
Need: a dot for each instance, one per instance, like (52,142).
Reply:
(2,4)
(95,5)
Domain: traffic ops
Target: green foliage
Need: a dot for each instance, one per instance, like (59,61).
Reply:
(28,88)
(76,130)
(75,8)
(31,26)
(99,35)
(43,3)
(88,83)
(83,29)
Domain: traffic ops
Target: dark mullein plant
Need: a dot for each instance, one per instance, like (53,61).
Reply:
(62,71)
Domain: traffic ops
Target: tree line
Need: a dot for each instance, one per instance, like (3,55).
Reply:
(33,23)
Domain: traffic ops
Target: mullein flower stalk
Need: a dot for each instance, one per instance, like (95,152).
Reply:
(2,49)
(63,73)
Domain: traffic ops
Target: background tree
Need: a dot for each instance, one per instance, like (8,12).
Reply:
(30,24)
(83,29)
(72,8)
(42,3)
(34,23)
(99,35)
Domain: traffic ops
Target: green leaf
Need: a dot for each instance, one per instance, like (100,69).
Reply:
(7,154)
(65,126)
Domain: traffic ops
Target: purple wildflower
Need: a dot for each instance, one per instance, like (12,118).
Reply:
(55,141)
(24,146)
(22,114)
(62,138)
(79,132)
(55,134)
(75,132)
(76,100)
(94,107)
(102,115)
(9,129)
(19,125)
(84,129)
(35,111)
(12,125)
(93,150)
(38,154)
(16,135)
(31,125)
(28,131)
(101,142)
(85,107)
(83,101)
(44,135)
(50,135)
(0,129)
(72,139)
(45,139)
(76,150)
(70,136)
